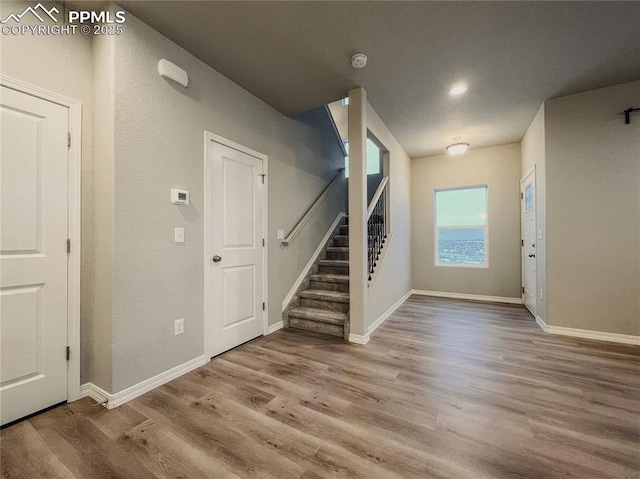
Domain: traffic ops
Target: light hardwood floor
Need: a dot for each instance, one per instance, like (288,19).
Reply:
(445,389)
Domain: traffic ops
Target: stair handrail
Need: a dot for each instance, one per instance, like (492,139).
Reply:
(376,197)
(316,204)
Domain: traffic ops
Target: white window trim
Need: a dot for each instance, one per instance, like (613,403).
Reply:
(436,228)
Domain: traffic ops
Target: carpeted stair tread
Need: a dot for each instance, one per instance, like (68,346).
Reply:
(334,262)
(330,278)
(324,295)
(319,315)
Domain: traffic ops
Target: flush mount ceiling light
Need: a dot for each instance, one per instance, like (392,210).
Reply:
(458,148)
(358,61)
(458,89)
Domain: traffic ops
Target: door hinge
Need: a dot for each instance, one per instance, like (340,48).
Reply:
(263,242)
(522,196)
(521,242)
(68,353)
(263,306)
(69,139)
(262,175)
(68,246)
(523,290)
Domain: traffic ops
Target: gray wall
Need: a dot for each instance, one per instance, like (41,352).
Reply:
(393,278)
(149,137)
(99,363)
(533,155)
(498,168)
(593,210)
(373,181)
(61,64)
(159,132)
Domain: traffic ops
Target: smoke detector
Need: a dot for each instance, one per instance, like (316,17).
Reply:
(358,61)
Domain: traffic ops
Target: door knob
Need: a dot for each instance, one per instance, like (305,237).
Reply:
(216,259)
(530,256)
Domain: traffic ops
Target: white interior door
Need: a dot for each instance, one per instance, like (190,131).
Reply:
(33,254)
(529,276)
(236,251)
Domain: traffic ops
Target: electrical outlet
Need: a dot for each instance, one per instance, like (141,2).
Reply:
(178,326)
(280,234)
(179,235)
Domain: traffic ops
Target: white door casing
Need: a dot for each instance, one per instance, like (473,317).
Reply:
(38,281)
(235,244)
(528,226)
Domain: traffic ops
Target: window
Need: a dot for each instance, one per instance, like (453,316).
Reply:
(461,227)
(374,158)
(528,198)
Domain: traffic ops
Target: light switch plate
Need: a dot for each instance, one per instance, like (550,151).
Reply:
(179,235)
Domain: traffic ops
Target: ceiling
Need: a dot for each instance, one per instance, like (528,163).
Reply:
(513,56)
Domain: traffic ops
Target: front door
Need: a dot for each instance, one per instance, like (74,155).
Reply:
(33,253)
(529,276)
(236,252)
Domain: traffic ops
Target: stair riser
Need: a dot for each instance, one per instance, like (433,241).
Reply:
(327,305)
(341,255)
(324,269)
(323,328)
(344,230)
(326,286)
(341,242)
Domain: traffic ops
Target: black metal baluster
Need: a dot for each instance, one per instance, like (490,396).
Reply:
(376,232)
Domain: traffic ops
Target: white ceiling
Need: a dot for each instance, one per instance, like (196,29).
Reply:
(513,55)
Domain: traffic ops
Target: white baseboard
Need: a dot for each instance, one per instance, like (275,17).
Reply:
(118,399)
(588,334)
(474,297)
(542,324)
(272,328)
(358,339)
(383,317)
(364,339)
(314,256)
(96,393)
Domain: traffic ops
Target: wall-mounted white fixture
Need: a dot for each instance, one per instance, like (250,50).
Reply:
(173,72)
(458,89)
(179,197)
(359,60)
(458,148)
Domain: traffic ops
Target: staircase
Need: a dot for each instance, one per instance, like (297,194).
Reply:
(322,302)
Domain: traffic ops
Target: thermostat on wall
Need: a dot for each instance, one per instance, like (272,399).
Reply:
(179,197)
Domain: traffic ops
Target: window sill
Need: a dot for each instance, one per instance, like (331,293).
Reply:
(473,266)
